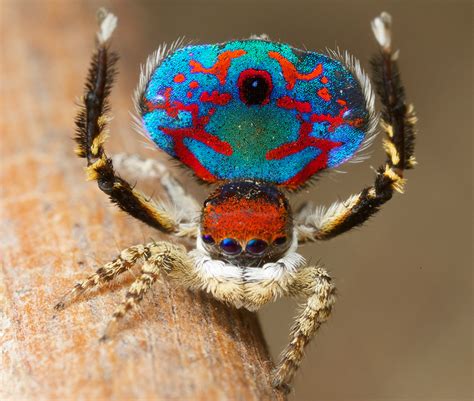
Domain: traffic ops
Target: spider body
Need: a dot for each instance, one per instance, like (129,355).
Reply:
(255,110)
(256,119)
(246,223)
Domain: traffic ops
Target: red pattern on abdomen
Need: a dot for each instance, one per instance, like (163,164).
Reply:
(291,74)
(220,67)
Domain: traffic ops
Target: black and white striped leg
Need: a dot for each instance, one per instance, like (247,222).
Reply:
(91,132)
(398,122)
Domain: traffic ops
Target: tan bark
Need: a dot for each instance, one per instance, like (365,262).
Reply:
(55,227)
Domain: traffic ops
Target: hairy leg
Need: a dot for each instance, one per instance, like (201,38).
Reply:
(398,122)
(163,257)
(153,169)
(91,133)
(160,257)
(314,283)
(105,274)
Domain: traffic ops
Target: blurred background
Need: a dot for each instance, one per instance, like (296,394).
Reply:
(402,327)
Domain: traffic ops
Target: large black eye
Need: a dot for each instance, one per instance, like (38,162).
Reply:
(256,246)
(230,246)
(255,87)
(206,238)
(280,240)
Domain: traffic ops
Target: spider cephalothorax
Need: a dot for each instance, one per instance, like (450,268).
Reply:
(247,222)
(255,118)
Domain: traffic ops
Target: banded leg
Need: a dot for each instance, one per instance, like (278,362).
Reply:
(398,122)
(105,274)
(91,132)
(315,283)
(163,258)
(154,169)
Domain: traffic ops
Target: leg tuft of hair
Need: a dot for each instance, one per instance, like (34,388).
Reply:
(107,24)
(381,26)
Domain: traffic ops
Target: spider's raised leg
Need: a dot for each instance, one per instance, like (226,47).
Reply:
(154,169)
(105,274)
(91,132)
(314,283)
(398,122)
(163,257)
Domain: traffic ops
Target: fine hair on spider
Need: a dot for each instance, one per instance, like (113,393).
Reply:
(255,119)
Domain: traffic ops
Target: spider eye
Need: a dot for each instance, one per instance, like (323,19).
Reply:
(256,246)
(206,238)
(255,87)
(230,246)
(280,240)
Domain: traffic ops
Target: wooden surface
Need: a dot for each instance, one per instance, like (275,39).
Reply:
(55,228)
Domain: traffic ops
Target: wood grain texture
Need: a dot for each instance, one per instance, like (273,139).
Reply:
(55,228)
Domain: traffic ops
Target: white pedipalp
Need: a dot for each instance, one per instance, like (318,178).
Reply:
(214,268)
(286,265)
(236,284)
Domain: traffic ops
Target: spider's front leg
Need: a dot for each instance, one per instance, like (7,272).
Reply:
(154,169)
(159,257)
(163,258)
(105,274)
(314,283)
(398,122)
(91,132)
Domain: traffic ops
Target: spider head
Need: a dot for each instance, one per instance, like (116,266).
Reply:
(246,222)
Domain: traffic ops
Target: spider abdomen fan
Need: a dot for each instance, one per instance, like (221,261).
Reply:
(255,109)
